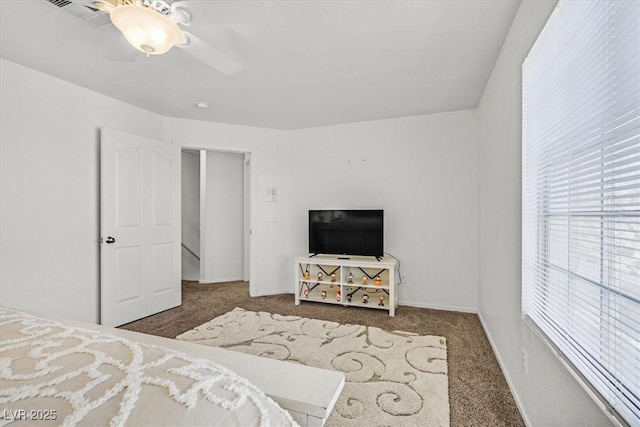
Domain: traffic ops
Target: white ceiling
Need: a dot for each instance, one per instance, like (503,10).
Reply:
(306,63)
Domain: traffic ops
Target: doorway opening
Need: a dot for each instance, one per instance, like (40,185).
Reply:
(216,215)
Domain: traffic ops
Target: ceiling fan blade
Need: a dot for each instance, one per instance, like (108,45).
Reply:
(104,5)
(122,51)
(211,56)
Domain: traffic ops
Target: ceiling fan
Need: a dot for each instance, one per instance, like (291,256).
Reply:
(154,27)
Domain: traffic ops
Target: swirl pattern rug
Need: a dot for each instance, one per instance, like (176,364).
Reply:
(392,378)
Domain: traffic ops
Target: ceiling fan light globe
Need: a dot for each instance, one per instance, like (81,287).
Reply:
(157,36)
(145,29)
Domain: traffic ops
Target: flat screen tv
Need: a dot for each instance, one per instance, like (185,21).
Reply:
(346,232)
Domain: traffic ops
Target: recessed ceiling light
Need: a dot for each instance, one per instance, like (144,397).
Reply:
(202,104)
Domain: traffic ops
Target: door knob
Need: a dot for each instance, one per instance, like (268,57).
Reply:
(110,240)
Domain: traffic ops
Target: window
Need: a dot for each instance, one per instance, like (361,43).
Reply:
(581,196)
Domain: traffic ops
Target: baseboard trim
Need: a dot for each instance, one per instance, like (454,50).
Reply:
(523,414)
(439,307)
(410,304)
(223,280)
(276,292)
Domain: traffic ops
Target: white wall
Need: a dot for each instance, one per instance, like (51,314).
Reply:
(547,395)
(223,222)
(422,171)
(49,188)
(272,258)
(190,183)
(50,227)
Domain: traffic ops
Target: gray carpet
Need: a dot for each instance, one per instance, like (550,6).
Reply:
(478,392)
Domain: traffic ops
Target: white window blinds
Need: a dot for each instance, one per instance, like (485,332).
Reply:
(581,195)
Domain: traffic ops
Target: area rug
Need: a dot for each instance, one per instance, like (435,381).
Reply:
(392,378)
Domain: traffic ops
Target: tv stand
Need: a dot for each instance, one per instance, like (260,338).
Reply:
(328,280)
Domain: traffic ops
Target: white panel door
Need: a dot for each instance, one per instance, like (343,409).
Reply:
(140,227)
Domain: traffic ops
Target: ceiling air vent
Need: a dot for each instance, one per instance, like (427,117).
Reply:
(98,20)
(82,11)
(59,3)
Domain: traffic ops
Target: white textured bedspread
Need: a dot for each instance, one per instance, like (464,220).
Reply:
(58,373)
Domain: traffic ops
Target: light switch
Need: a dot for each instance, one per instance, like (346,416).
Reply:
(272,194)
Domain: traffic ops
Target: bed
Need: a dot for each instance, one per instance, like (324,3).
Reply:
(59,372)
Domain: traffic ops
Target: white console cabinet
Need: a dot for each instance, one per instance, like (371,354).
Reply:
(349,281)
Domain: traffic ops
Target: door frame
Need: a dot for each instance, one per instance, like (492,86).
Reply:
(248,195)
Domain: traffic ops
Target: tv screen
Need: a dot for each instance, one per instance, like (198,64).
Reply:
(346,232)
